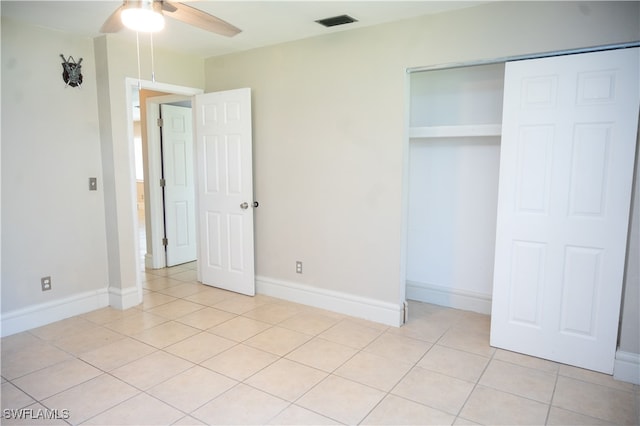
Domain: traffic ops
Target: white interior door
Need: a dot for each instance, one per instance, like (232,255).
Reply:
(179,187)
(225,190)
(566,171)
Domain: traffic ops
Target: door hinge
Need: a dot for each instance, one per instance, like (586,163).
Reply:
(163,183)
(160,122)
(165,242)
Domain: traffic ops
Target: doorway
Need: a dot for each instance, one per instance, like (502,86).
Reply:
(171,236)
(151,212)
(165,235)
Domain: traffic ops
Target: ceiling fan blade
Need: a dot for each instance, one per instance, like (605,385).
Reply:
(168,7)
(113,24)
(197,18)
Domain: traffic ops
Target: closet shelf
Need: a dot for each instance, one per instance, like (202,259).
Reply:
(472,130)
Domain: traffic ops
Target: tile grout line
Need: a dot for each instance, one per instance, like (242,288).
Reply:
(244,381)
(281,357)
(329,374)
(553,394)
(163,350)
(140,391)
(475,386)
(415,364)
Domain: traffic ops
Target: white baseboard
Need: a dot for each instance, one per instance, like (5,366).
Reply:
(344,303)
(56,310)
(627,367)
(452,298)
(148,261)
(124,298)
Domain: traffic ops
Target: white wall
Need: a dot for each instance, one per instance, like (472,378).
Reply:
(329,115)
(52,225)
(453,198)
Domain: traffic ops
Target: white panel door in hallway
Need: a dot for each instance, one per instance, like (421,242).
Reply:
(225,190)
(566,170)
(179,187)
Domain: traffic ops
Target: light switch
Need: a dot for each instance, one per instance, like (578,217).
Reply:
(93,184)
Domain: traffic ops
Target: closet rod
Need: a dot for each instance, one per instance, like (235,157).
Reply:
(524,57)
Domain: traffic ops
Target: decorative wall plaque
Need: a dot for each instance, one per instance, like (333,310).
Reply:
(71,71)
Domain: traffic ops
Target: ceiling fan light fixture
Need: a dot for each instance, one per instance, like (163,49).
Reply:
(143,16)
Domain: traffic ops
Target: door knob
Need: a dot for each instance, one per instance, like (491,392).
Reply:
(244,206)
(256,204)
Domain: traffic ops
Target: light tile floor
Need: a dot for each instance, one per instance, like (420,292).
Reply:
(192,354)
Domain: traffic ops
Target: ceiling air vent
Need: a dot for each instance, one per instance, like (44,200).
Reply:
(336,20)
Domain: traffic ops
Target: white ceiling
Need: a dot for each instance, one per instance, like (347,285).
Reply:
(263,22)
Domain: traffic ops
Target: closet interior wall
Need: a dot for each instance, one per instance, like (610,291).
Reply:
(454,154)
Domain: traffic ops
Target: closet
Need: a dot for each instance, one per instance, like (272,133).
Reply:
(519,190)
(454,153)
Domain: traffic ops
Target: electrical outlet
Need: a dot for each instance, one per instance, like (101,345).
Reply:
(298,267)
(45,282)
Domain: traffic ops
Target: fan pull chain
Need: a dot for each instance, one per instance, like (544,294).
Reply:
(138,50)
(153,69)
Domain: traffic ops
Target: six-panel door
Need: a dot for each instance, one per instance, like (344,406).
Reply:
(179,189)
(225,184)
(566,172)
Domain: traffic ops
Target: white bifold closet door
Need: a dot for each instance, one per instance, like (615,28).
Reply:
(566,171)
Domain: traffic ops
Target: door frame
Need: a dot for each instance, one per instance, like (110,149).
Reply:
(154,199)
(130,85)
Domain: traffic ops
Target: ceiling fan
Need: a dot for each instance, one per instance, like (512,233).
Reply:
(156,9)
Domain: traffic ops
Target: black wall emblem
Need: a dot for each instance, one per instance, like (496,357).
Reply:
(71,71)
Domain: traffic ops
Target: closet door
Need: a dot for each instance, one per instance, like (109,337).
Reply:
(566,170)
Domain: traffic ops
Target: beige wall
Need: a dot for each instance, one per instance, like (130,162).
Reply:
(53,139)
(52,225)
(329,115)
